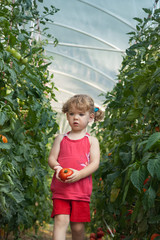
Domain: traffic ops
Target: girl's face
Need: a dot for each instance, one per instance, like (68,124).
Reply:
(78,119)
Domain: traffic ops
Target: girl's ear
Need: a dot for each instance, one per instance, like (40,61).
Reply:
(67,115)
(91,118)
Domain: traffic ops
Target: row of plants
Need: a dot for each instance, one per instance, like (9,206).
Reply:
(126,196)
(27,120)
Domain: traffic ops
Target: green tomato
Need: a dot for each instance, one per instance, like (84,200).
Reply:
(14,53)
(24,60)
(17,55)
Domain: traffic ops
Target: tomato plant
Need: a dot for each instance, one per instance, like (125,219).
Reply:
(27,119)
(65,173)
(130,131)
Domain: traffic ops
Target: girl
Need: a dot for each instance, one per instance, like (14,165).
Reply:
(80,152)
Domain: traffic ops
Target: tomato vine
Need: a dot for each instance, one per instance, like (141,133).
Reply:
(27,119)
(127,194)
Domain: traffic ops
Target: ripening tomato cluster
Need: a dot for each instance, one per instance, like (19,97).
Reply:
(98,235)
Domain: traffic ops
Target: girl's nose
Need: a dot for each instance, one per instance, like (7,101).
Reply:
(75,116)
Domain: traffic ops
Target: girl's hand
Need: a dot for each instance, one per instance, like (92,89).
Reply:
(58,169)
(76,176)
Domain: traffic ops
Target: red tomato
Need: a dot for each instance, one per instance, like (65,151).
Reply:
(154,235)
(100,234)
(93,235)
(130,211)
(157,129)
(99,229)
(65,173)
(112,231)
(146,180)
(123,237)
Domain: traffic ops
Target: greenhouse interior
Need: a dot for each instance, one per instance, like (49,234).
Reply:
(50,51)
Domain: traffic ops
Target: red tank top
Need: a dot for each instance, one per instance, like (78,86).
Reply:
(73,154)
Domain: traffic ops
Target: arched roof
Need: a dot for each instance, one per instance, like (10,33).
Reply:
(92,37)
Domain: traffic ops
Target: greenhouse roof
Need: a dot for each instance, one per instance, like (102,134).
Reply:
(92,36)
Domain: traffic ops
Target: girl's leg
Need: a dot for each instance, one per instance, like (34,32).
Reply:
(61,223)
(78,230)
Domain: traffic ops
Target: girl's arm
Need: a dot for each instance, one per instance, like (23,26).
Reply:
(93,165)
(53,156)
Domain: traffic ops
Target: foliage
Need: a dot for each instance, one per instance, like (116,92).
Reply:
(26,117)
(127,186)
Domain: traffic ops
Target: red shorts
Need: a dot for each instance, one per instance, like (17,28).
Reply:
(79,211)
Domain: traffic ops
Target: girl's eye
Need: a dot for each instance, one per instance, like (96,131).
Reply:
(71,114)
(81,114)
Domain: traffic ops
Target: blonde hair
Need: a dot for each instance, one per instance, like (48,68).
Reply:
(84,103)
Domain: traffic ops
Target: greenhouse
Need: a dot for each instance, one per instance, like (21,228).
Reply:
(52,51)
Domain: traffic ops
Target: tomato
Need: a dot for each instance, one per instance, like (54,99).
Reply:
(146,180)
(99,229)
(157,129)
(4,139)
(130,211)
(92,236)
(65,173)
(24,60)
(123,237)
(100,234)
(154,235)
(112,231)
(16,54)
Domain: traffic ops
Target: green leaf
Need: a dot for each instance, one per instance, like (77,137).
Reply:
(3,118)
(146,157)
(147,11)
(152,140)
(133,114)
(153,167)
(17,196)
(138,177)
(29,171)
(5,188)
(149,198)
(135,211)
(13,74)
(154,220)
(5,146)
(125,157)
(138,19)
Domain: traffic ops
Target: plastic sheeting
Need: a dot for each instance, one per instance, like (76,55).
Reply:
(92,37)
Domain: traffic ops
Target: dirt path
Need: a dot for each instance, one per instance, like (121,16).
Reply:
(44,233)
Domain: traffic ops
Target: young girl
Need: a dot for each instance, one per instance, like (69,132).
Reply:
(80,152)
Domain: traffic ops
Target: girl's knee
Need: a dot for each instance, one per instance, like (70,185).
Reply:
(62,220)
(77,228)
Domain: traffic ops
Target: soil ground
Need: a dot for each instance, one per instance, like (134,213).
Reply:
(44,233)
